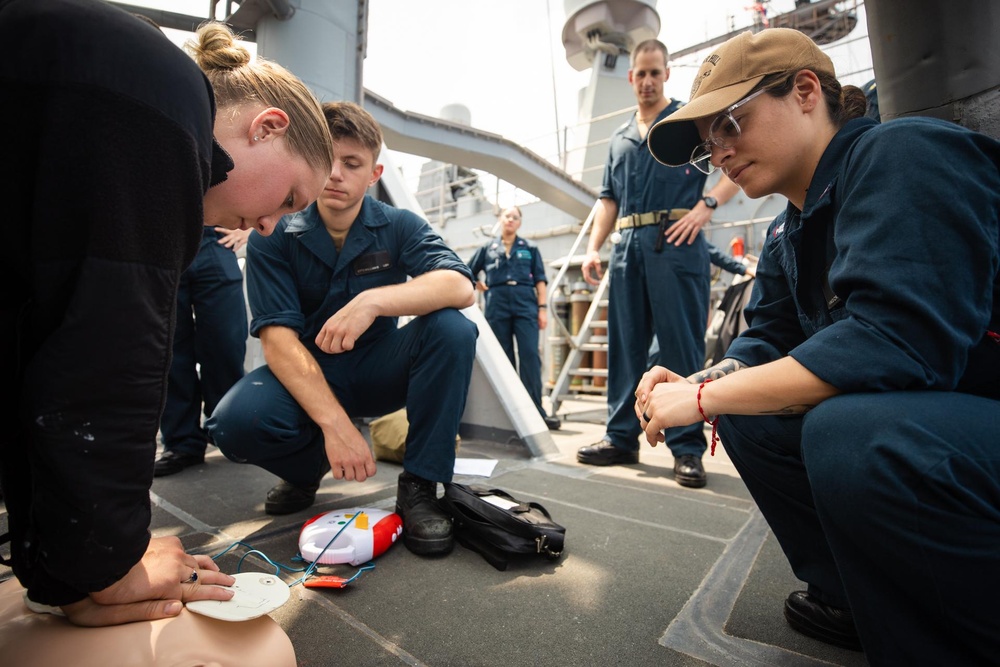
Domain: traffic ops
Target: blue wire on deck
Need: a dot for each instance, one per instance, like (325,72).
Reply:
(307,571)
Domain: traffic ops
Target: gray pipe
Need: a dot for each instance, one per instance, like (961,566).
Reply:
(281,9)
(938,59)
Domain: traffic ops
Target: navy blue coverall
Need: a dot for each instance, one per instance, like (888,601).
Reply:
(512,305)
(210,335)
(297,278)
(663,294)
(886,497)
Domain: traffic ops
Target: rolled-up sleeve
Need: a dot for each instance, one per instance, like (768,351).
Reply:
(537,267)
(423,250)
(271,288)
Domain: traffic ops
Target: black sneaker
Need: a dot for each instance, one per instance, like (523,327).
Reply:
(171,462)
(426,527)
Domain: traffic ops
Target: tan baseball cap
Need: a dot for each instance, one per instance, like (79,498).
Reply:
(727,76)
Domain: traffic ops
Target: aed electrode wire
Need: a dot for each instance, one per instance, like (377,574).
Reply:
(307,571)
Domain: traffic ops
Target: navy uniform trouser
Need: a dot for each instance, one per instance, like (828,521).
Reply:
(210,335)
(425,366)
(665,294)
(888,504)
(512,311)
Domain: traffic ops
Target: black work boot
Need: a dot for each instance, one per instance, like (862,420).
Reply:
(286,498)
(426,527)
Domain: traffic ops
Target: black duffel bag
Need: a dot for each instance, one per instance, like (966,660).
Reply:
(500,527)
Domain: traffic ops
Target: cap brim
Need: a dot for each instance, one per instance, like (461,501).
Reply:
(672,143)
(672,140)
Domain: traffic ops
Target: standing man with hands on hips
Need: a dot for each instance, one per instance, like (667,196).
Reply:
(660,277)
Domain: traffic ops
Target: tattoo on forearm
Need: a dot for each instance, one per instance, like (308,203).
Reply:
(789,410)
(721,369)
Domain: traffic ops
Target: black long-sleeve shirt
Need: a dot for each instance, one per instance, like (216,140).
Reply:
(102,181)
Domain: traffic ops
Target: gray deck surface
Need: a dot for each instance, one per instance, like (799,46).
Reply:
(653,573)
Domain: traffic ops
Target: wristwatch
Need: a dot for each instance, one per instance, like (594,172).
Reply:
(711,202)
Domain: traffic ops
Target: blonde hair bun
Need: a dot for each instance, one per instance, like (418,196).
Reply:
(215,48)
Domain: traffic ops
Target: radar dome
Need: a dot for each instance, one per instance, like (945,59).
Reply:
(606,25)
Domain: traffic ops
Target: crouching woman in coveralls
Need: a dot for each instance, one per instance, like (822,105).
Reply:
(515,301)
(862,406)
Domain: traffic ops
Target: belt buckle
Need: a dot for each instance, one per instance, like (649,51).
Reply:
(511,283)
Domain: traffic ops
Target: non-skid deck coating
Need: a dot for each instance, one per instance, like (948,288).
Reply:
(653,573)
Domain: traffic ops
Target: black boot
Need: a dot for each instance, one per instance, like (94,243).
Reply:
(426,527)
(171,462)
(689,471)
(286,498)
(821,621)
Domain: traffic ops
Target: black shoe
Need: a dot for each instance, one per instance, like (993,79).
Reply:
(171,462)
(552,422)
(830,625)
(426,527)
(688,471)
(603,453)
(286,498)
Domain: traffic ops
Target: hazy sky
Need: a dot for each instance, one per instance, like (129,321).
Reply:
(498,57)
(505,61)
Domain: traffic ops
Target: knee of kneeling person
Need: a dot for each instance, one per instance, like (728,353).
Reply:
(841,423)
(231,432)
(450,327)
(840,442)
(735,430)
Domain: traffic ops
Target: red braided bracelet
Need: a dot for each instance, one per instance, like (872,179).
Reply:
(713,422)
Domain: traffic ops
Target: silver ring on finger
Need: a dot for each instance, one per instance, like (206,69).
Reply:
(192,579)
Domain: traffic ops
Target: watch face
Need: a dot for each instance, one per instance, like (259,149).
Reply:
(711,202)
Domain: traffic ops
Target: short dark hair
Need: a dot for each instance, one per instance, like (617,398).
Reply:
(348,120)
(650,45)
